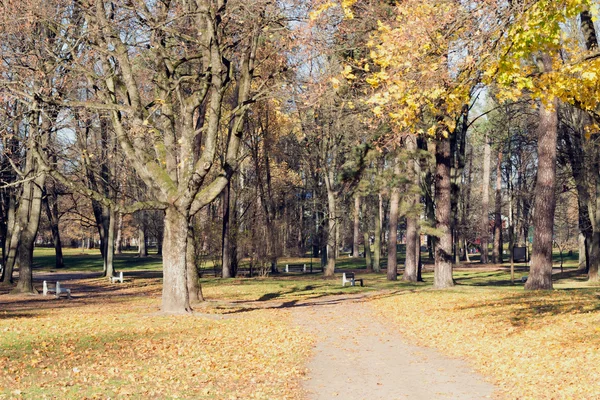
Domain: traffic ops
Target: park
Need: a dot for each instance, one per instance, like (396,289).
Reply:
(299,199)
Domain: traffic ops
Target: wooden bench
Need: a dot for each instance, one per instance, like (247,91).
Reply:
(115,279)
(348,277)
(56,289)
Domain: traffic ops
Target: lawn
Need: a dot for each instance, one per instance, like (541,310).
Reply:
(111,340)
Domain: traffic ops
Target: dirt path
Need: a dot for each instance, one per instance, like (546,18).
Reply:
(357,357)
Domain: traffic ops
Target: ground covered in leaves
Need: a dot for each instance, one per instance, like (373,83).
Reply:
(111,341)
(534,345)
(119,346)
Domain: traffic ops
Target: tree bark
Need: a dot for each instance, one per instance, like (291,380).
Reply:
(367,244)
(51,206)
(193,282)
(485,198)
(412,218)
(497,250)
(142,249)
(331,227)
(30,219)
(110,245)
(540,273)
(356,226)
(377,242)
(11,241)
(175,297)
(119,239)
(392,267)
(226,264)
(442,277)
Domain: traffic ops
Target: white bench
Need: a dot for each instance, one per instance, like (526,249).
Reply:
(348,277)
(56,289)
(115,279)
(297,267)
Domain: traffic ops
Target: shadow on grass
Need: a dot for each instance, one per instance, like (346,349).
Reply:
(522,308)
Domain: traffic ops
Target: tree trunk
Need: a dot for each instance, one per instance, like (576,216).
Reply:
(142,249)
(193,283)
(175,297)
(540,273)
(51,206)
(331,224)
(377,242)
(392,267)
(412,219)
(582,265)
(497,251)
(442,277)
(356,226)
(119,240)
(367,245)
(485,198)
(30,219)
(11,242)
(110,245)
(226,265)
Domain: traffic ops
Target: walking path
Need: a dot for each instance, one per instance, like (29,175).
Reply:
(357,357)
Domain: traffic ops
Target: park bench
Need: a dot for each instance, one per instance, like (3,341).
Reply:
(295,267)
(348,277)
(117,278)
(56,289)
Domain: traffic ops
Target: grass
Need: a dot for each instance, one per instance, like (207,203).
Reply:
(111,342)
(532,345)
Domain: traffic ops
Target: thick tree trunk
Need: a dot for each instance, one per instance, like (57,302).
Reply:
(377,242)
(355,237)
(485,199)
(497,250)
(442,277)
(392,267)
(30,219)
(540,273)
(175,297)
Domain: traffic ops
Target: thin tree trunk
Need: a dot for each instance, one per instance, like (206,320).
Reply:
(377,242)
(367,245)
(485,196)
(356,226)
(540,273)
(226,265)
(331,224)
(51,207)
(392,267)
(497,250)
(412,219)
(119,240)
(442,277)
(193,283)
(11,242)
(142,249)
(110,245)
